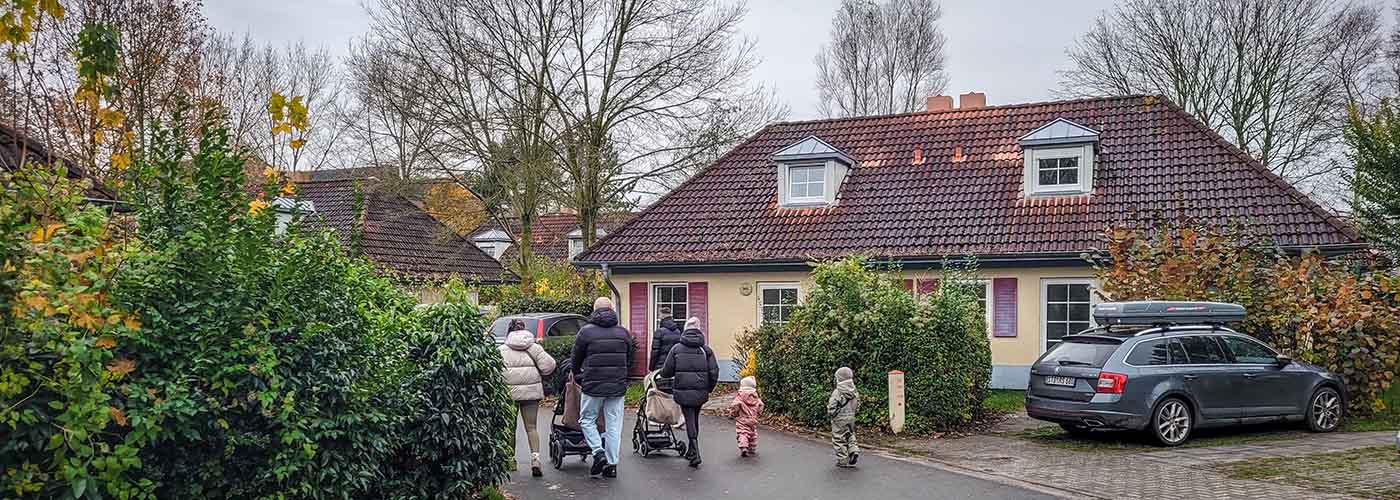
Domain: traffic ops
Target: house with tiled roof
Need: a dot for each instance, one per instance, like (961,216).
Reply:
(17,148)
(556,236)
(1026,189)
(395,232)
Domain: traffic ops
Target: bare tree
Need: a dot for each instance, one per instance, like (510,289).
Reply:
(240,75)
(1273,76)
(882,58)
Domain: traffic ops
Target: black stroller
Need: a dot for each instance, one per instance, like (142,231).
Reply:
(657,417)
(564,440)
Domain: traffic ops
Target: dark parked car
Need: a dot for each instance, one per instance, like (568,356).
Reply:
(1172,367)
(541,324)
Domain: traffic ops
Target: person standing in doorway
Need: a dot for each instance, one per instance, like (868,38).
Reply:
(665,337)
(602,358)
(694,372)
(526,366)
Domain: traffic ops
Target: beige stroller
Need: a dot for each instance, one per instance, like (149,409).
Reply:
(657,418)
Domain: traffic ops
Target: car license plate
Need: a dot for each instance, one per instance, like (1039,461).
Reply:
(1065,381)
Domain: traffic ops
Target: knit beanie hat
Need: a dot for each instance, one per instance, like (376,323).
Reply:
(748,384)
(692,324)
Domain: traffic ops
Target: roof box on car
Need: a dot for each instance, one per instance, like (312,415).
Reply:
(1157,312)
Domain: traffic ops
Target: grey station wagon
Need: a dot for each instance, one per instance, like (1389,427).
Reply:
(1172,367)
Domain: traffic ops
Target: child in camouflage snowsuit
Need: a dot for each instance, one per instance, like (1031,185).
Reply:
(841,408)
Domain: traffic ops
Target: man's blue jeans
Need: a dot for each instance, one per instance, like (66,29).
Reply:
(612,424)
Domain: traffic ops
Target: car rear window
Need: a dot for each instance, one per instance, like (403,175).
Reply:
(1081,353)
(501,327)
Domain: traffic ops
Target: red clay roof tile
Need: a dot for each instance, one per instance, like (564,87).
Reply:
(1153,160)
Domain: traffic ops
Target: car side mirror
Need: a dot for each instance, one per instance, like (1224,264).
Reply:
(1282,360)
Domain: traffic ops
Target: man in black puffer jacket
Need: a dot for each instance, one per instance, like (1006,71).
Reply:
(691,366)
(601,359)
(663,340)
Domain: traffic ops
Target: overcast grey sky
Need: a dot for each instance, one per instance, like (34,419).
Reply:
(1009,49)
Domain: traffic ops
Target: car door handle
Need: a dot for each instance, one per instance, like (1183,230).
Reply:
(1189,377)
(1249,375)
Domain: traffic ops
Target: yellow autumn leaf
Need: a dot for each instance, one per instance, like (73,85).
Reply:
(275,105)
(256,207)
(297,143)
(36,302)
(84,320)
(121,367)
(289,189)
(120,161)
(105,342)
(270,173)
(43,233)
(118,415)
(131,323)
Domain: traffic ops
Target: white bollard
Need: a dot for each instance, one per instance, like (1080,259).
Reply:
(896,401)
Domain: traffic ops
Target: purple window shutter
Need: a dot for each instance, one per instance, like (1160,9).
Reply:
(637,324)
(927,286)
(699,303)
(1004,307)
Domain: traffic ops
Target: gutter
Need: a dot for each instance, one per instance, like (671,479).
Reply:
(1047,259)
(607,280)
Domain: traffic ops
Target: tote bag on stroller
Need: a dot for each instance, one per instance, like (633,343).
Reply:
(660,406)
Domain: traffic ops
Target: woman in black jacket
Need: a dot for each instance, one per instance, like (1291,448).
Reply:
(694,372)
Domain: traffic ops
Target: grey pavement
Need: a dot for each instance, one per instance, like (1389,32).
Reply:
(1165,474)
(788,466)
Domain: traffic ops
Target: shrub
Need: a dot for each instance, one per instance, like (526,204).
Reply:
(1333,314)
(865,320)
(560,347)
(260,366)
(519,304)
(463,422)
(557,287)
(71,414)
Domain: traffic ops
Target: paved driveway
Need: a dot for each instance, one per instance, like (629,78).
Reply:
(788,467)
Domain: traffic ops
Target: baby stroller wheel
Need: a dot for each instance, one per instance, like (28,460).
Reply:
(556,454)
(681,448)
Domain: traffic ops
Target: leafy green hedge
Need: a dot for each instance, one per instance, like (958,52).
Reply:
(865,320)
(519,304)
(559,347)
(216,359)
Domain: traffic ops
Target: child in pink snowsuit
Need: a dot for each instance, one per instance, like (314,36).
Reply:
(745,410)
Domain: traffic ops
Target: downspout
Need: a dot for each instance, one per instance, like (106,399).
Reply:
(607,279)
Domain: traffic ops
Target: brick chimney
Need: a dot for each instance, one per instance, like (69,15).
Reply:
(972,100)
(939,103)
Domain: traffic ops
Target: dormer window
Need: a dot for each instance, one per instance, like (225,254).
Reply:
(1059,159)
(576,241)
(810,173)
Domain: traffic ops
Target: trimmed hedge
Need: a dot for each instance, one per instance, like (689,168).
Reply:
(520,304)
(865,320)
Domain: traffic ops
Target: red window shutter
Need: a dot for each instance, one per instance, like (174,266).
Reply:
(637,326)
(1004,307)
(699,303)
(927,286)
(908,285)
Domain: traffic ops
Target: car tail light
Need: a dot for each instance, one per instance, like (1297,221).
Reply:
(1111,383)
(539,329)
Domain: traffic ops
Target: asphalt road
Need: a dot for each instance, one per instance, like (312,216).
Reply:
(787,467)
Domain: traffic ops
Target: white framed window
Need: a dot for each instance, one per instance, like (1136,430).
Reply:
(776,302)
(806,183)
(1059,171)
(669,297)
(982,289)
(575,247)
(1065,308)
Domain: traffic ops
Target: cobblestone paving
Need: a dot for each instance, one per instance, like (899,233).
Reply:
(1182,473)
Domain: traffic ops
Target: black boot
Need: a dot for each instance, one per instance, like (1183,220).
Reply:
(693,453)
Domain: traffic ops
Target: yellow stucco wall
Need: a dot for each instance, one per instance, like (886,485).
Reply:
(731,312)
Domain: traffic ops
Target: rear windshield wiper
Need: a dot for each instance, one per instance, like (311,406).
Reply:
(1068,362)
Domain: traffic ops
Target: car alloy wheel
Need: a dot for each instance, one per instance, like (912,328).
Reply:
(1173,421)
(1326,410)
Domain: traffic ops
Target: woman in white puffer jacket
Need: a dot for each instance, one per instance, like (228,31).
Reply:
(526,366)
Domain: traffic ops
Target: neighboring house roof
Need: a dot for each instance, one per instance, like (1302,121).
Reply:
(550,233)
(17,147)
(949,183)
(396,233)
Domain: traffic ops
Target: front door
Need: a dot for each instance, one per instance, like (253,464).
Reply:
(1264,388)
(1210,378)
